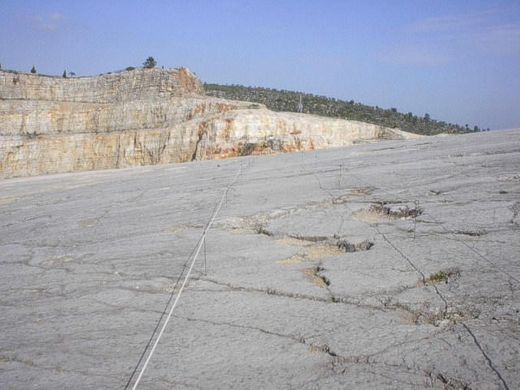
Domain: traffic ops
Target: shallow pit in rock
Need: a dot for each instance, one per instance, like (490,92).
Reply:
(395,211)
(359,247)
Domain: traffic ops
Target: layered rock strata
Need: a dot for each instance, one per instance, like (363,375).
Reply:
(146,116)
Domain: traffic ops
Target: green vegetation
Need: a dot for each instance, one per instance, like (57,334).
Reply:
(438,277)
(33,69)
(443,276)
(64,75)
(150,63)
(282,100)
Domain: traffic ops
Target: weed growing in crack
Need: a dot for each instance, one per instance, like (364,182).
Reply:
(439,277)
(443,276)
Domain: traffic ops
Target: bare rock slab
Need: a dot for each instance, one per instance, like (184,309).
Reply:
(89,260)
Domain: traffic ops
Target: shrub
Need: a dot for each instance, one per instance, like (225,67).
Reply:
(150,63)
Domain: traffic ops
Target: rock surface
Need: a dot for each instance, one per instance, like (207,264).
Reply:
(144,117)
(390,265)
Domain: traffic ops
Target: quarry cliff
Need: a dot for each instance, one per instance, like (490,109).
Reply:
(147,116)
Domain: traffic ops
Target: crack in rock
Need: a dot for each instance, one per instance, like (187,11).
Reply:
(284,294)
(342,244)
(317,279)
(313,347)
(515,208)
(359,247)
(339,365)
(471,233)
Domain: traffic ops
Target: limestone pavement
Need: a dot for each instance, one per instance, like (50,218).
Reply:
(389,265)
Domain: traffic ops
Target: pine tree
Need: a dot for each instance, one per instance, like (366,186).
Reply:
(150,63)
(33,69)
(64,75)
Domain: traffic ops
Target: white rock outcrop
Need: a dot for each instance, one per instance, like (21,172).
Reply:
(146,116)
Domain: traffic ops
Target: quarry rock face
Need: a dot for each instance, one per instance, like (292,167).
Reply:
(143,117)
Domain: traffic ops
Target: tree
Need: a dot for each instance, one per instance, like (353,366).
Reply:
(426,117)
(64,75)
(33,69)
(150,63)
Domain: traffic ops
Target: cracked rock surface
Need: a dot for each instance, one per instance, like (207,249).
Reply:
(427,299)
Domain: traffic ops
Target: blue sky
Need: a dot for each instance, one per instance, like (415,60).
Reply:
(457,60)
